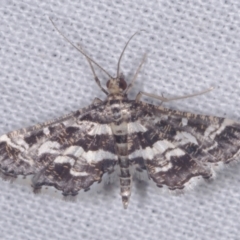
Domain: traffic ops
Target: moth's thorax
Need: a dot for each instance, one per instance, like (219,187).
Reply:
(116,97)
(118,108)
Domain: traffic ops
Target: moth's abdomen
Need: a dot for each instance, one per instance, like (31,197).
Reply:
(121,136)
(125,177)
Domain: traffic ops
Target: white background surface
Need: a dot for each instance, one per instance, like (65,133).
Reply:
(191,45)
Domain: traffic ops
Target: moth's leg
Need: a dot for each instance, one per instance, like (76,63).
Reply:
(97,79)
(163,99)
(95,75)
(130,85)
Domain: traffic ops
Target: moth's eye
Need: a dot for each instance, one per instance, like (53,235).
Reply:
(107,84)
(122,84)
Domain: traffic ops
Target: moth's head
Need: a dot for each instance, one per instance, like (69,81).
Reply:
(116,85)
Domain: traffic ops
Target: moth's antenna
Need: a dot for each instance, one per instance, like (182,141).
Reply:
(95,76)
(119,61)
(135,75)
(81,51)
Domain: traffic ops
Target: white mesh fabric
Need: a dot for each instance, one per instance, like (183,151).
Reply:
(191,46)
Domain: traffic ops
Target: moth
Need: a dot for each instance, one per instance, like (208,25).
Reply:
(72,152)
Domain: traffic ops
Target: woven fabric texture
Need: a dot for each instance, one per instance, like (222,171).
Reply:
(190,46)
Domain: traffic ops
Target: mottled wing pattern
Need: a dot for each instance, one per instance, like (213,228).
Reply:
(178,146)
(63,153)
